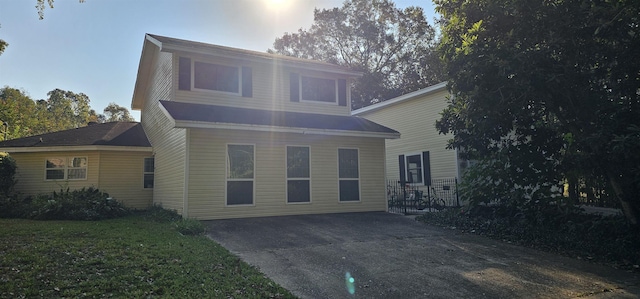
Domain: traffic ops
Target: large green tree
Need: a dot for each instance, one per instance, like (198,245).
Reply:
(115,112)
(393,48)
(549,89)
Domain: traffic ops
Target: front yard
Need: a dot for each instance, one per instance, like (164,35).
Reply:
(130,257)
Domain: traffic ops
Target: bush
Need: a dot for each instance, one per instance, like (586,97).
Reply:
(609,239)
(83,204)
(7,174)
(189,227)
(184,226)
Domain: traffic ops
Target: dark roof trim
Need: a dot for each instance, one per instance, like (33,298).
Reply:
(188,115)
(110,136)
(170,44)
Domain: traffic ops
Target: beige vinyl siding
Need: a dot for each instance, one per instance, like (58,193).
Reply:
(121,175)
(169,144)
(31,172)
(207,165)
(270,89)
(415,120)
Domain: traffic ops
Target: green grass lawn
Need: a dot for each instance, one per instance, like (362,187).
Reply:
(129,257)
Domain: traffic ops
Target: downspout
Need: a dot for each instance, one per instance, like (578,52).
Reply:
(185,187)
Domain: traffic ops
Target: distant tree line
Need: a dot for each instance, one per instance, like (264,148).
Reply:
(60,111)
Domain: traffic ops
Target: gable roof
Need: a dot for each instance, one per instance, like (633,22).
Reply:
(405,97)
(93,137)
(188,115)
(153,44)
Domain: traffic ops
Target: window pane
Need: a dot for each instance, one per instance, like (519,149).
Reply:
(298,191)
(297,162)
(318,89)
(414,169)
(148,164)
(55,163)
(240,193)
(216,77)
(148,180)
(79,162)
(349,190)
(240,161)
(348,163)
(57,174)
(80,173)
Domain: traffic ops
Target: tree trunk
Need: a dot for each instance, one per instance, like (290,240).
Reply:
(629,209)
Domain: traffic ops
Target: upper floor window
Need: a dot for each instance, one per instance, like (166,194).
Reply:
(216,77)
(62,168)
(316,89)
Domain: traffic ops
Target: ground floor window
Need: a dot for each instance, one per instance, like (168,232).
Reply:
(348,174)
(240,174)
(415,168)
(148,172)
(66,168)
(298,174)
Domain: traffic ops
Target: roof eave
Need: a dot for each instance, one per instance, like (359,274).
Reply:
(149,48)
(405,97)
(263,128)
(63,148)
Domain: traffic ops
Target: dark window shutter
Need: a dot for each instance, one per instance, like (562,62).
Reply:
(184,73)
(247,82)
(294,87)
(342,92)
(403,174)
(426,169)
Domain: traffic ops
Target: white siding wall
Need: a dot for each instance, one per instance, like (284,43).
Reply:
(117,173)
(207,165)
(31,172)
(270,89)
(169,144)
(121,175)
(415,120)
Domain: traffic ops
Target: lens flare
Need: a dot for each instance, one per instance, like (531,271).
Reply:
(350,283)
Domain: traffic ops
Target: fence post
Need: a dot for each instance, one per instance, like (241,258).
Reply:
(457,198)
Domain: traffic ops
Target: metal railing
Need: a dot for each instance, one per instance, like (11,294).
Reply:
(406,198)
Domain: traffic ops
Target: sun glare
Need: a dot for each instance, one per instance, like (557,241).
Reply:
(277,5)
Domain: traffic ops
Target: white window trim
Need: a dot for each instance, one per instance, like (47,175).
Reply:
(227,179)
(406,168)
(302,100)
(286,166)
(66,168)
(147,172)
(193,78)
(350,179)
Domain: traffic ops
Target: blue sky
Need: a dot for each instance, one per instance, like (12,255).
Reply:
(94,47)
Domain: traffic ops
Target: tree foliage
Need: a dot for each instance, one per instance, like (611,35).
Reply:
(115,112)
(393,48)
(60,111)
(549,88)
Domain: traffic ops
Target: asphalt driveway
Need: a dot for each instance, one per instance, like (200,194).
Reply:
(393,256)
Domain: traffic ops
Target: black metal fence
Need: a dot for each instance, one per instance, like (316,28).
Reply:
(406,198)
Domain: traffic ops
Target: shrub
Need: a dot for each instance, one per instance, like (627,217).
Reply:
(83,204)
(189,227)
(7,174)
(184,226)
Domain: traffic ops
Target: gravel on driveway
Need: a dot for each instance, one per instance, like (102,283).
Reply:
(393,256)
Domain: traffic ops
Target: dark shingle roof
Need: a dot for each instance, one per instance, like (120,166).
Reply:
(232,115)
(110,134)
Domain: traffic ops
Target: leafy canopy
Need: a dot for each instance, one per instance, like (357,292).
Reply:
(549,88)
(393,48)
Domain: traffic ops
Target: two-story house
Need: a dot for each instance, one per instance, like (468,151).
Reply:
(239,133)
(229,133)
